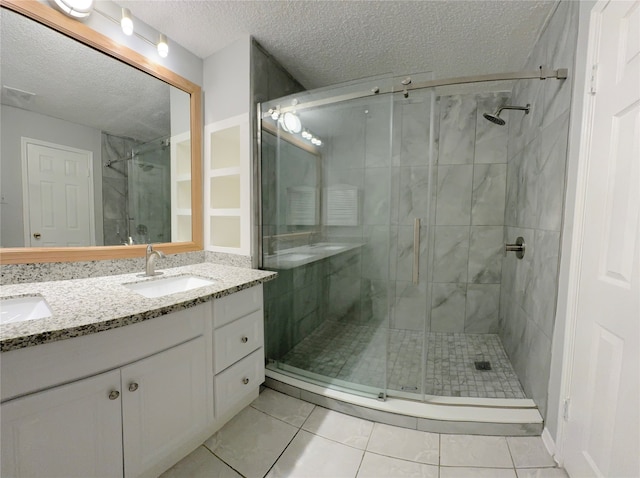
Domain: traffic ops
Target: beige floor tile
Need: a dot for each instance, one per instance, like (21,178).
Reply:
(201,463)
(529,452)
(283,407)
(378,466)
(474,451)
(465,472)
(339,427)
(314,456)
(542,473)
(398,442)
(251,442)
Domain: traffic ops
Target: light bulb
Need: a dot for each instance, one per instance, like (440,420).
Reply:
(282,124)
(126,23)
(75,8)
(306,134)
(292,123)
(163,46)
(315,141)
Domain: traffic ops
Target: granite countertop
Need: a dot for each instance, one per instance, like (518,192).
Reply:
(86,306)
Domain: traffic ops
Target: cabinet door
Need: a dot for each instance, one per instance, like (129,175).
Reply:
(164,405)
(66,431)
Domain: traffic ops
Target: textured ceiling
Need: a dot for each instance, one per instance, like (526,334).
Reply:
(78,84)
(322,42)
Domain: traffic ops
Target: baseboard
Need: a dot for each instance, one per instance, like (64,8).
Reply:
(549,443)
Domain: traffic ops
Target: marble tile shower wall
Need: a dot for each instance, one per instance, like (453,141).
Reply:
(536,171)
(469,197)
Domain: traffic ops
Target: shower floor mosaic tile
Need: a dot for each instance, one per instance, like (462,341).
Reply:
(352,353)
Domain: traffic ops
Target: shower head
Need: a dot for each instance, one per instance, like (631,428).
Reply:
(495,118)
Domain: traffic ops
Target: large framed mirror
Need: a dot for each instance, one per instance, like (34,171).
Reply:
(100,149)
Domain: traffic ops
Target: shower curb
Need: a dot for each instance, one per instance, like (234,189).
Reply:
(460,419)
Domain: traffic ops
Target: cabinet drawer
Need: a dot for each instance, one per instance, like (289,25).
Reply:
(238,380)
(234,306)
(237,339)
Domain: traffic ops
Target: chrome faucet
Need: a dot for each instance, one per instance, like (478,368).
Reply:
(150,264)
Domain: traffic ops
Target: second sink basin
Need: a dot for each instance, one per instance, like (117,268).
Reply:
(168,285)
(20,309)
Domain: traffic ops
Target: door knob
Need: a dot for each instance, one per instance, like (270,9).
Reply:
(113,394)
(133,386)
(244,339)
(245,380)
(37,235)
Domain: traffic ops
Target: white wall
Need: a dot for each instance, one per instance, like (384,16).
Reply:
(17,123)
(559,354)
(226,81)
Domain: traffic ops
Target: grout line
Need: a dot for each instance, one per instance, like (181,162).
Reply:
(282,453)
(219,458)
(401,459)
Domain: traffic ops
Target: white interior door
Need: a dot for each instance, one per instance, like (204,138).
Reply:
(602,435)
(58,196)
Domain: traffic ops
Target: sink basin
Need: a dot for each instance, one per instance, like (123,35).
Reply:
(21,309)
(168,285)
(293,257)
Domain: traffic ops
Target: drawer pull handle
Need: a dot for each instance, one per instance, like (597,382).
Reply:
(113,394)
(245,380)
(244,339)
(133,386)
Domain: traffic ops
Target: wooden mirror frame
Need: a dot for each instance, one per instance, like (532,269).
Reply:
(72,28)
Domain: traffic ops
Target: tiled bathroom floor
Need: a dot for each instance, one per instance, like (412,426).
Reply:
(352,353)
(280,436)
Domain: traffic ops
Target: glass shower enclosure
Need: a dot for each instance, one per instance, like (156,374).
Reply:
(341,313)
(149,192)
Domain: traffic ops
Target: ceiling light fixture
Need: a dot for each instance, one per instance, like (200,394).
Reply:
(127,22)
(75,8)
(163,46)
(292,123)
(282,124)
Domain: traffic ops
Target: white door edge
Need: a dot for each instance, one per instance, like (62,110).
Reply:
(575,230)
(25,184)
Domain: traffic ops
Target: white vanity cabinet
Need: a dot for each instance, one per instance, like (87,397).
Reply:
(148,409)
(134,400)
(72,430)
(238,351)
(164,405)
(129,401)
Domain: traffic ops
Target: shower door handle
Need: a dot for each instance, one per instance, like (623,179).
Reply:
(416,250)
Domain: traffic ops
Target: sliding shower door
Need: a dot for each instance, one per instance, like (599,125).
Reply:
(412,217)
(326,193)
